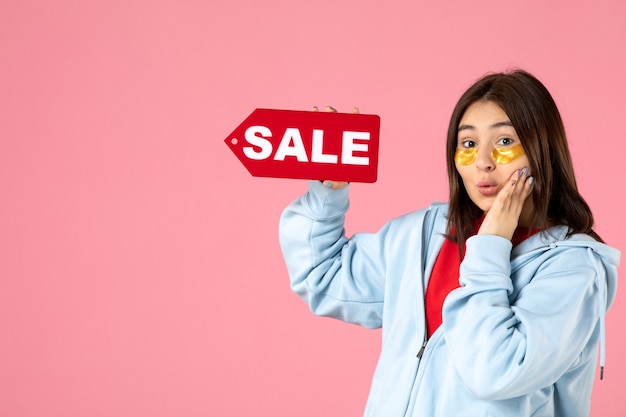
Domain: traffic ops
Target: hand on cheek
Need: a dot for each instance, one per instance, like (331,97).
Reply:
(503,217)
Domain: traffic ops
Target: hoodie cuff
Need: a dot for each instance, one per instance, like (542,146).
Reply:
(324,202)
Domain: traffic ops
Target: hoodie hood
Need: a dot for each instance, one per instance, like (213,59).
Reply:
(607,258)
(604,258)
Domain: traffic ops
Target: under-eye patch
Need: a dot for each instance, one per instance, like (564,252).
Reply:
(465,156)
(508,155)
(499,155)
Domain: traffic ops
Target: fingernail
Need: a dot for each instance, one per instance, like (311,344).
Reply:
(513,182)
(328,184)
(331,108)
(531,180)
(519,173)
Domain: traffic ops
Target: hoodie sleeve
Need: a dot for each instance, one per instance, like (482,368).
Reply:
(504,349)
(338,277)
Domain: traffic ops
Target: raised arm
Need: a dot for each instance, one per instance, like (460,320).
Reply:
(338,277)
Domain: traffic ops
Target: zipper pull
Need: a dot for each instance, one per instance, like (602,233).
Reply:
(421,351)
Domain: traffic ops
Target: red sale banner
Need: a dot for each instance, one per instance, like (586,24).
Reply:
(308,145)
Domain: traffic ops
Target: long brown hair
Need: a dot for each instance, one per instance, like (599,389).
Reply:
(537,121)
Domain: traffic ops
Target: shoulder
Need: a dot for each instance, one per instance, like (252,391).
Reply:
(434,212)
(558,251)
(426,221)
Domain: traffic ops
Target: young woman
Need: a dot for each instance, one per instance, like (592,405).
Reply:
(492,304)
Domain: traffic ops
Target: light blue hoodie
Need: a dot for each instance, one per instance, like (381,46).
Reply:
(519,337)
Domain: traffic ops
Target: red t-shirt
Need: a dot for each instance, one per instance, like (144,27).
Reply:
(445,276)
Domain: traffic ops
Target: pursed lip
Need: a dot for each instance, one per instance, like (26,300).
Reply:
(487,187)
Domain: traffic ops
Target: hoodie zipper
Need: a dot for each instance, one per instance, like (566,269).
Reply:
(422,349)
(427,230)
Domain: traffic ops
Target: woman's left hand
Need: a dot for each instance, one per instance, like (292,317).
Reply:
(503,217)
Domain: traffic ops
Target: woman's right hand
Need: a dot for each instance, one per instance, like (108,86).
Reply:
(335,185)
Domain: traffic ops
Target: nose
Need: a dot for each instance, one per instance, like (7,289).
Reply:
(484,159)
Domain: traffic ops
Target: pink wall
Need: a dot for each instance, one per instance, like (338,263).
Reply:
(140,273)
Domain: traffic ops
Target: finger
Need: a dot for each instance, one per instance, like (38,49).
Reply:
(512,184)
(522,182)
(528,186)
(355,110)
(334,185)
(517,182)
(331,109)
(508,198)
(315,108)
(505,196)
(522,188)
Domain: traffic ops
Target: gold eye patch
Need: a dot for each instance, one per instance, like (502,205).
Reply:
(499,155)
(508,155)
(465,156)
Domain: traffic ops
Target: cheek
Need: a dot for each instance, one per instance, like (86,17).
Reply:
(458,171)
(463,173)
(516,165)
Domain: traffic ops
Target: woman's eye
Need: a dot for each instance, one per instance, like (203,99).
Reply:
(466,144)
(505,141)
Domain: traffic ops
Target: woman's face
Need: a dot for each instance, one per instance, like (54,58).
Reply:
(489,152)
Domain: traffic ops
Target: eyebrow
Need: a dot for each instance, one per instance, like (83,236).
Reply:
(493,126)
